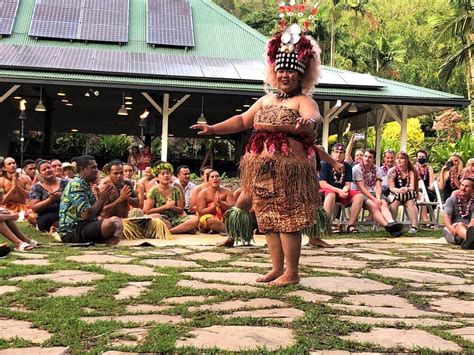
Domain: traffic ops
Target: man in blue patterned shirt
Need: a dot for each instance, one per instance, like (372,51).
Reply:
(79,208)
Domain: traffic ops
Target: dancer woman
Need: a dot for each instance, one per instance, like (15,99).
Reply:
(279,169)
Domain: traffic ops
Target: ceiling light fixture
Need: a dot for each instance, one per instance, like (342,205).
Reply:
(122,111)
(17,97)
(128,102)
(65,100)
(128,97)
(40,107)
(69,104)
(246,105)
(61,92)
(201,119)
(352,108)
(74,130)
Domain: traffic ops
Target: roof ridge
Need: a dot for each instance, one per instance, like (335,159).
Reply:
(235,20)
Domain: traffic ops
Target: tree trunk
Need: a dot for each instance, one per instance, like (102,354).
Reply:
(469,73)
(333,40)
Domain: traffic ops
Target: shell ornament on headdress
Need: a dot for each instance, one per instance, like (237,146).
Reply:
(291,49)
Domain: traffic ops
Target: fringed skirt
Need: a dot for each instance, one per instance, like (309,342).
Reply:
(280,174)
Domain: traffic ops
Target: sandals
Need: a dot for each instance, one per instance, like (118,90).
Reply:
(24,247)
(352,229)
(33,243)
(413,230)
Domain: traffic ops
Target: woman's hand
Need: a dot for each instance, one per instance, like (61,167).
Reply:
(204,129)
(305,123)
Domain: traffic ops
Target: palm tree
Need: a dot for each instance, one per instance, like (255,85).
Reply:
(459,26)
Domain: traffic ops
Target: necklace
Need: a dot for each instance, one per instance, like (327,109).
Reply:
(422,172)
(459,205)
(281,96)
(451,179)
(400,179)
(384,169)
(338,180)
(370,176)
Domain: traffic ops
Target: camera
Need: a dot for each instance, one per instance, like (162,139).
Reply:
(449,165)
(359,136)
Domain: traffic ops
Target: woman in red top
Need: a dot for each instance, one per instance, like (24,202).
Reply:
(145,158)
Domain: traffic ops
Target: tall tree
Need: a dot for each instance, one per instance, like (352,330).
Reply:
(458,26)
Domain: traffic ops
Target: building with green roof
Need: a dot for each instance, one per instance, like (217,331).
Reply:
(219,75)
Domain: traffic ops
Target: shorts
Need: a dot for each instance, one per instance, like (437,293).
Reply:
(85,231)
(344,201)
(202,226)
(365,198)
(452,239)
(45,221)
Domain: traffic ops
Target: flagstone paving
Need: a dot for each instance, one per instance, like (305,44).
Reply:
(134,270)
(11,328)
(71,291)
(64,276)
(36,350)
(419,275)
(344,284)
(235,338)
(405,294)
(408,339)
(132,290)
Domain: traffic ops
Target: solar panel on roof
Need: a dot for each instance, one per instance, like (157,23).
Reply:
(111,62)
(8,11)
(90,20)
(36,57)
(147,63)
(357,79)
(181,65)
(249,69)
(218,68)
(8,53)
(75,59)
(170,23)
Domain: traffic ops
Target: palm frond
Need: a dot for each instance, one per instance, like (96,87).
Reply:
(455,60)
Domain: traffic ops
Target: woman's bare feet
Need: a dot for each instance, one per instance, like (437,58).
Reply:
(227,243)
(317,242)
(286,279)
(272,275)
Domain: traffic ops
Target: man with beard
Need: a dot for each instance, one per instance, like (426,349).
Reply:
(368,180)
(79,208)
(29,169)
(459,216)
(212,203)
(122,195)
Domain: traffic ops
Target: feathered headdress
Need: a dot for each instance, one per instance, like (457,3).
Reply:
(291,48)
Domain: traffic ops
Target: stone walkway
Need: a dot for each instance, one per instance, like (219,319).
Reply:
(371,296)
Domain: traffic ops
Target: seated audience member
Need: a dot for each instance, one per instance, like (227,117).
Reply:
(368,180)
(135,224)
(168,201)
(145,184)
(204,171)
(29,169)
(212,203)
(10,230)
(57,167)
(128,172)
(336,187)
(450,175)
(459,215)
(388,163)
(45,197)
(79,208)
(122,195)
(16,189)
(403,184)
(69,171)
(426,173)
(184,181)
(468,170)
(73,161)
(145,158)
(134,157)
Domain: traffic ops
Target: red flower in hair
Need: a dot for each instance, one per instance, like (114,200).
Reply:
(305,50)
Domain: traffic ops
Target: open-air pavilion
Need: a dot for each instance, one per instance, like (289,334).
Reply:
(217,70)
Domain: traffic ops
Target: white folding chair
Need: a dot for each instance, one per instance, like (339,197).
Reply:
(424,201)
